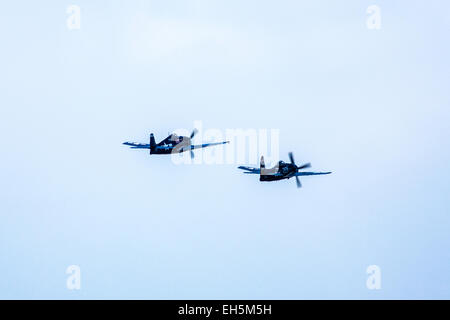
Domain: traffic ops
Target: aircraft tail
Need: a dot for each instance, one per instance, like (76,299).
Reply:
(262,165)
(152,142)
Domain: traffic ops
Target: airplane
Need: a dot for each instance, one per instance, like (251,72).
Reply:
(172,144)
(282,170)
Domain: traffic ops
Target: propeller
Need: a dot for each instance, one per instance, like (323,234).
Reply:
(299,184)
(194,132)
(306,165)
(291,157)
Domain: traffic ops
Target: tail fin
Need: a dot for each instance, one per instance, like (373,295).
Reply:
(262,164)
(152,142)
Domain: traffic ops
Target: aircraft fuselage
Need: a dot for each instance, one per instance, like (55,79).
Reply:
(167,149)
(279,172)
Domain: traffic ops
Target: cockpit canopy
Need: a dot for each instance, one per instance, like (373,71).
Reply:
(175,137)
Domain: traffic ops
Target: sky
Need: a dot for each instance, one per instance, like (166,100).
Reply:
(370,105)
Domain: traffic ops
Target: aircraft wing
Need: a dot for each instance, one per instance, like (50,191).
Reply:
(198,146)
(250,170)
(137,145)
(310,173)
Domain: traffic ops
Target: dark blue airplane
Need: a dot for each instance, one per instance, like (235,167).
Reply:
(172,144)
(282,170)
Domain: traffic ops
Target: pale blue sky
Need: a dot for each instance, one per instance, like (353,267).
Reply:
(371,106)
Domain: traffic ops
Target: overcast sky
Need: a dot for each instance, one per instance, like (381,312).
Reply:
(371,105)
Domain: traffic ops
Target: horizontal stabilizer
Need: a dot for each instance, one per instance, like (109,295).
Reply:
(136,145)
(250,170)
